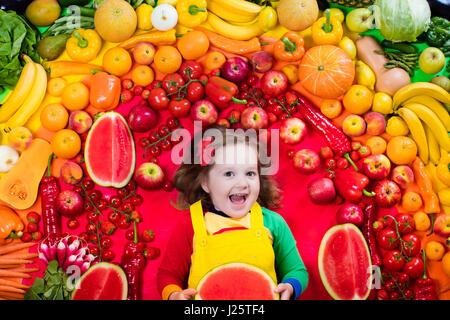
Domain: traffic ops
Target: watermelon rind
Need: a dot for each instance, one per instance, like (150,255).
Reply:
(98,181)
(238,265)
(323,244)
(98,265)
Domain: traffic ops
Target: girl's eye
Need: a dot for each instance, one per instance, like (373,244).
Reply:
(229,174)
(251,173)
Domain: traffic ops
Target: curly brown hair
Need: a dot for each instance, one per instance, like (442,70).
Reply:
(188,177)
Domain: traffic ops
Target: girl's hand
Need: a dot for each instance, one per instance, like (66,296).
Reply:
(183,295)
(285,290)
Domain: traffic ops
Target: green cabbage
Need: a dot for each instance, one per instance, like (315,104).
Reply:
(402,20)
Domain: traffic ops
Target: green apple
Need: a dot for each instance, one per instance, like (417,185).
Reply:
(441,81)
(359,20)
(431,60)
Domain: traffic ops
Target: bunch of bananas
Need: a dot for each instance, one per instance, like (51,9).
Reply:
(420,105)
(240,19)
(26,97)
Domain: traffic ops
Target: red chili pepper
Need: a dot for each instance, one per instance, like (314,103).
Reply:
(221,91)
(49,190)
(350,184)
(369,218)
(424,288)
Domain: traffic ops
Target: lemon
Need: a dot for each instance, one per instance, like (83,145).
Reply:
(382,103)
(396,126)
(348,46)
(365,75)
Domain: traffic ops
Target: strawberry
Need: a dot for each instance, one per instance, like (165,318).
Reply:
(33,217)
(32,227)
(151,253)
(108,227)
(26,237)
(148,236)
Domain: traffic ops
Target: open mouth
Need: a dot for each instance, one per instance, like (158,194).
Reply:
(238,198)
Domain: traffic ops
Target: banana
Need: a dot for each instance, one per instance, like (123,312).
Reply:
(241,7)
(418,89)
(417,132)
(435,106)
(432,120)
(433,145)
(231,16)
(32,101)
(20,92)
(234,31)
(438,185)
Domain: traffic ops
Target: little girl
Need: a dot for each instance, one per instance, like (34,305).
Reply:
(228,222)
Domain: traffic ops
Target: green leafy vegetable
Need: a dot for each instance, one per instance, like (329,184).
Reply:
(16,36)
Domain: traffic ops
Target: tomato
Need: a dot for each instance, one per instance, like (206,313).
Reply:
(129,235)
(172,123)
(414,267)
(114,216)
(158,99)
(405,223)
(137,200)
(234,116)
(330,163)
(106,242)
(179,107)
(195,91)
(190,69)
(410,244)
(393,261)
(108,255)
(155,151)
(154,137)
(163,131)
(71,224)
(387,239)
(252,80)
(382,295)
(124,222)
(166,145)
(172,82)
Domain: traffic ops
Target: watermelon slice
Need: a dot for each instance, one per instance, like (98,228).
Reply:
(344,263)
(236,281)
(102,281)
(109,152)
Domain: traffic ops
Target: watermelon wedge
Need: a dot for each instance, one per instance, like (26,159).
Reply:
(109,152)
(344,263)
(236,281)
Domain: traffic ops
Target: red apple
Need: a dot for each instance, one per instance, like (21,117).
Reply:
(204,111)
(306,161)
(350,213)
(142,118)
(292,130)
(274,83)
(235,69)
(376,166)
(321,190)
(254,118)
(442,225)
(69,203)
(149,176)
(387,193)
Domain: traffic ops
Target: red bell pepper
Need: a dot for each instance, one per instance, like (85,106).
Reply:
(350,184)
(221,91)
(105,91)
(424,288)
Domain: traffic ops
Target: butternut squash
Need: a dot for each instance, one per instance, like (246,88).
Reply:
(387,80)
(20,186)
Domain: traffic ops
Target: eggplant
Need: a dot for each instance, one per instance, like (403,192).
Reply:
(440,8)
(18,6)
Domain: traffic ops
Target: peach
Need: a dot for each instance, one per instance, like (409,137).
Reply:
(80,121)
(71,172)
(354,125)
(376,123)
(261,61)
(20,138)
(403,176)
(442,225)
(143,53)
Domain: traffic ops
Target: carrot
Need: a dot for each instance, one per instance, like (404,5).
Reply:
(23,269)
(158,38)
(11,289)
(13,274)
(425,184)
(20,255)
(15,246)
(230,45)
(12,295)
(14,261)
(63,68)
(15,284)
(9,266)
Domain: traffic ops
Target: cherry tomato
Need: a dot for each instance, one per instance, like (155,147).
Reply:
(172,123)
(88,207)
(154,137)
(330,163)
(414,267)
(158,99)
(326,153)
(382,294)
(88,184)
(91,227)
(405,223)
(163,131)
(122,192)
(410,244)
(195,91)
(127,206)
(84,236)
(131,185)
(166,145)
(155,151)
(129,235)
(106,242)
(190,69)
(73,223)
(234,116)
(114,216)
(387,239)
(143,142)
(393,261)
(92,216)
(172,82)
(137,90)
(389,285)
(272,117)
(394,296)
(137,200)
(108,255)
(179,108)
(342,163)
(167,186)
(124,222)
(252,80)
(115,201)
(93,249)
(95,195)
(284,116)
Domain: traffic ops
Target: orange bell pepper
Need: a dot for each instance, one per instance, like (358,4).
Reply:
(290,47)
(105,91)
(10,225)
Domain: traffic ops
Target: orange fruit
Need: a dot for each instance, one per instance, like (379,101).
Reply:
(42,13)
(434,250)
(55,86)
(167,59)
(215,60)
(445,264)
(115,20)
(54,117)
(376,144)
(382,103)
(411,201)
(193,45)
(117,61)
(358,99)
(331,108)
(75,96)
(142,75)
(421,221)
(66,144)
(401,150)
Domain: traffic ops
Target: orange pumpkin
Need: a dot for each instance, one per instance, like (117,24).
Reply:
(326,71)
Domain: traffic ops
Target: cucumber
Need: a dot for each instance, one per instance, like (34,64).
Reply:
(66,3)
(400,46)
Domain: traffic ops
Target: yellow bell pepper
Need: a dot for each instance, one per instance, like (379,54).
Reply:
(327,30)
(144,14)
(11,225)
(84,45)
(192,13)
(443,169)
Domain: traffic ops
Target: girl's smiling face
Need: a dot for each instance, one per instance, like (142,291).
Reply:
(233,181)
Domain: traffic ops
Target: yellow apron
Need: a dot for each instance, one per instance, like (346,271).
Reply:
(251,246)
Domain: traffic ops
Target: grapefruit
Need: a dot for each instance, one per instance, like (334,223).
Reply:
(115,20)
(344,263)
